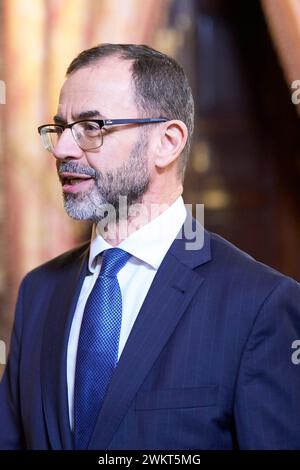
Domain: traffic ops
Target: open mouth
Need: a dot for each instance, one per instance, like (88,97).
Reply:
(74,182)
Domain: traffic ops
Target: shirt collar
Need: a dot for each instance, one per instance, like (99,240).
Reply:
(149,243)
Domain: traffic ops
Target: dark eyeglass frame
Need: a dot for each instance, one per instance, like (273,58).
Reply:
(101,123)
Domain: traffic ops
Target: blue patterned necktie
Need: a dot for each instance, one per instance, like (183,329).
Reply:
(98,345)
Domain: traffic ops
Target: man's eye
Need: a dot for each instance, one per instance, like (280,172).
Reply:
(90,128)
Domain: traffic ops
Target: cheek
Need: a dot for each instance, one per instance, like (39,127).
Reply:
(150,162)
(112,154)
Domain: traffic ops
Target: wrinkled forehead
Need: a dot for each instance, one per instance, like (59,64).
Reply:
(106,86)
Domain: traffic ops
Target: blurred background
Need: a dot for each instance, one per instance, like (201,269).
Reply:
(241,58)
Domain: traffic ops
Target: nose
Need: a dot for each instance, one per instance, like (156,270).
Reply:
(67,148)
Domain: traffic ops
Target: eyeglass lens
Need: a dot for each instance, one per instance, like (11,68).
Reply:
(87,135)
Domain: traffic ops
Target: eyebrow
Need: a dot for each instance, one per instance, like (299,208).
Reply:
(83,115)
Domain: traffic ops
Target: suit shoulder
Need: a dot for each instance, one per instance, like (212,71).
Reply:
(233,259)
(59,261)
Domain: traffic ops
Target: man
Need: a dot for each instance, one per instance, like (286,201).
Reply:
(171,346)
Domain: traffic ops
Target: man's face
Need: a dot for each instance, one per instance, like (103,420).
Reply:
(95,178)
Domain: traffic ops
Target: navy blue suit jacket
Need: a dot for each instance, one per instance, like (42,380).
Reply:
(208,363)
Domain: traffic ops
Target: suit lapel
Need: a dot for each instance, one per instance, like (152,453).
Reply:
(171,292)
(54,352)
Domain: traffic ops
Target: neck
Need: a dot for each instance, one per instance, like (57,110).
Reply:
(140,214)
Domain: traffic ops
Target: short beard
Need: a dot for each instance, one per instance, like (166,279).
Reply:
(130,181)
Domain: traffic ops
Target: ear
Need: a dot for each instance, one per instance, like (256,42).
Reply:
(171,142)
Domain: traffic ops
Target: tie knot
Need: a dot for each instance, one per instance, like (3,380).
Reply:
(113,260)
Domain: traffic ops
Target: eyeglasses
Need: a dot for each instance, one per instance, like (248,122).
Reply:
(88,134)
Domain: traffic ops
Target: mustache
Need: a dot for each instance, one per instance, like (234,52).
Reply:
(71,167)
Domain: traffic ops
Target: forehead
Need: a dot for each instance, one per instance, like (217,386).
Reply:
(105,86)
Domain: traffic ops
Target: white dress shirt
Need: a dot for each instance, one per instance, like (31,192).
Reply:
(148,246)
